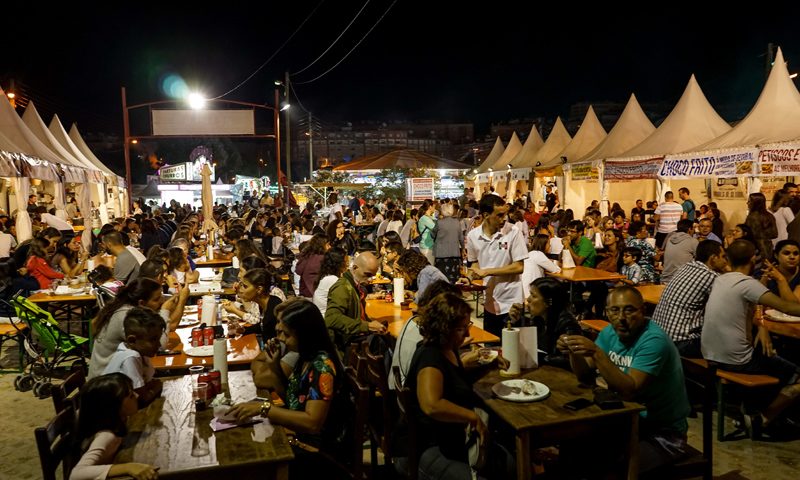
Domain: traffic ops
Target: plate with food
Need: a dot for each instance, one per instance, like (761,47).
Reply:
(189,320)
(777,316)
(190,309)
(486,355)
(204,351)
(521,390)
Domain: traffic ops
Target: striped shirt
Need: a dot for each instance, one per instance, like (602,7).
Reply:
(682,306)
(669,215)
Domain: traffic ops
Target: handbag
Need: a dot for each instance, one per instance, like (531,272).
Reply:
(477,451)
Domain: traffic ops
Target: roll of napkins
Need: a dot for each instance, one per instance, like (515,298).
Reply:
(399,292)
(235,262)
(566,259)
(209,310)
(510,340)
(221,357)
(90,264)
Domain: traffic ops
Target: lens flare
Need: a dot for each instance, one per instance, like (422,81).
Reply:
(173,86)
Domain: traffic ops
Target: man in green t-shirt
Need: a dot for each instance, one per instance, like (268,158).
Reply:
(581,248)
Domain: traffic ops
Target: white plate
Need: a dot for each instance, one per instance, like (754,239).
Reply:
(780,316)
(204,351)
(190,309)
(511,390)
(492,356)
(189,321)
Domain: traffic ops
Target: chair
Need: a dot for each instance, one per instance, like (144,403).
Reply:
(55,444)
(357,361)
(382,417)
(359,395)
(695,463)
(403,404)
(62,392)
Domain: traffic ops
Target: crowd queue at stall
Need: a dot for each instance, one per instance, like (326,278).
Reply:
(309,284)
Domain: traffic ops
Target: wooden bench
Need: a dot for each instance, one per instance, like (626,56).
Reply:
(10,332)
(727,378)
(594,327)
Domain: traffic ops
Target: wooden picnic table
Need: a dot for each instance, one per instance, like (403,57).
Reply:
(651,293)
(244,349)
(170,435)
(787,329)
(547,422)
(380,311)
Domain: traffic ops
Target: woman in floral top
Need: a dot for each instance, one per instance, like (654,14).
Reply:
(638,238)
(311,393)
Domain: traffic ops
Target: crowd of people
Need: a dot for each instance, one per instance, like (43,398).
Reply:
(713,281)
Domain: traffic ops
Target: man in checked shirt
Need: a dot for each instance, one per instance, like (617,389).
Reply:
(682,306)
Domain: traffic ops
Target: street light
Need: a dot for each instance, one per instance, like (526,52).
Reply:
(285,107)
(196,101)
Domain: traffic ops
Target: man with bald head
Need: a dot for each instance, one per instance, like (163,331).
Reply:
(346,315)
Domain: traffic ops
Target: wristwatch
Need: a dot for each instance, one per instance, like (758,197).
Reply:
(265,407)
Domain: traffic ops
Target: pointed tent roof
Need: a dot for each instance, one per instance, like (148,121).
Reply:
(511,151)
(533,144)
(34,122)
(692,122)
(20,135)
(589,135)
(57,129)
(76,138)
(496,152)
(632,127)
(401,157)
(774,118)
(557,140)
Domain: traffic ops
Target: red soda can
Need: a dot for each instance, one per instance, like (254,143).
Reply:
(206,378)
(388,298)
(208,334)
(197,337)
(216,380)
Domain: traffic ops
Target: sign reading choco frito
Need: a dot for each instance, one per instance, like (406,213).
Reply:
(733,163)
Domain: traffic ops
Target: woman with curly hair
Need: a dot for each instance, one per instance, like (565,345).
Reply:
(333,266)
(417,272)
(308,263)
(247,248)
(338,237)
(313,401)
(442,400)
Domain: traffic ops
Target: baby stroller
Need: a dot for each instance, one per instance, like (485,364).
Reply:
(48,347)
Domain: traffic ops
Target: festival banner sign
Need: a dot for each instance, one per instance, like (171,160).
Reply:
(728,189)
(584,172)
(621,171)
(779,160)
(733,163)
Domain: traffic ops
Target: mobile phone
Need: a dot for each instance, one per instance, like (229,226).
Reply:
(578,404)
(165,353)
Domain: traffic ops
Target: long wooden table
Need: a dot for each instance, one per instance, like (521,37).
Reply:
(585,274)
(787,329)
(547,422)
(380,311)
(244,349)
(168,434)
(651,293)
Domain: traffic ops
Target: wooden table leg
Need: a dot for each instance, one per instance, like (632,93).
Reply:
(633,448)
(282,472)
(523,455)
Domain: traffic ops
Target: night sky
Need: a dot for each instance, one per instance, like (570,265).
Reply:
(425,60)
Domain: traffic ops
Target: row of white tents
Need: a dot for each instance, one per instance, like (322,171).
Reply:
(30,150)
(693,148)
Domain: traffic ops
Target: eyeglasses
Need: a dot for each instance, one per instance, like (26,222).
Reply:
(628,311)
(464,329)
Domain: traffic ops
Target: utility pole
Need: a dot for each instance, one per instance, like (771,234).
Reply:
(288,145)
(310,146)
(770,59)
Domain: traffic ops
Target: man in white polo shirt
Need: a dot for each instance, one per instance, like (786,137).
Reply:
(667,215)
(497,256)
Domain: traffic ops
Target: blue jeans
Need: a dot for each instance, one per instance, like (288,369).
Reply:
(500,464)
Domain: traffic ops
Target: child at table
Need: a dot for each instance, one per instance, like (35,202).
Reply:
(104,277)
(107,402)
(143,330)
(37,264)
(631,268)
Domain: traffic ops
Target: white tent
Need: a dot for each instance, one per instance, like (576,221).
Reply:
(557,140)
(577,184)
(498,171)
(497,151)
(692,122)
(522,163)
(41,164)
(631,128)
(122,192)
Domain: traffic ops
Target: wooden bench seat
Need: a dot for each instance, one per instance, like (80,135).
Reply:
(10,332)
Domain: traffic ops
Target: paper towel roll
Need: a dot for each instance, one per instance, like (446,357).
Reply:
(235,262)
(221,358)
(210,251)
(209,310)
(511,349)
(90,264)
(399,291)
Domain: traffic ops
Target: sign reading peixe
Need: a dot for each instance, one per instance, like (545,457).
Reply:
(419,189)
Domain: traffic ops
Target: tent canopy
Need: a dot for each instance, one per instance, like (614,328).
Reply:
(632,127)
(557,140)
(512,149)
(496,152)
(61,135)
(589,135)
(534,143)
(400,157)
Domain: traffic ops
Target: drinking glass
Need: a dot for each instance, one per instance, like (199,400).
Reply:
(195,372)
(199,396)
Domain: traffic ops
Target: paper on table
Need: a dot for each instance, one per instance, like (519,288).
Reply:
(235,262)
(510,337)
(528,350)
(217,425)
(566,259)
(221,357)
